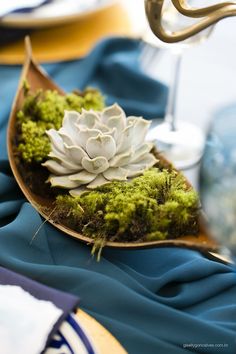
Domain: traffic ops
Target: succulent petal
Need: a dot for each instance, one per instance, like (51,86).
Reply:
(82,177)
(56,168)
(75,153)
(131,120)
(121,159)
(69,120)
(127,138)
(78,191)
(68,127)
(97,165)
(112,111)
(85,134)
(141,127)
(138,168)
(98,181)
(102,127)
(63,160)
(141,152)
(88,119)
(62,182)
(112,132)
(101,145)
(56,140)
(66,138)
(116,174)
(117,122)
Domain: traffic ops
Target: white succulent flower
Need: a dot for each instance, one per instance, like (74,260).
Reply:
(94,148)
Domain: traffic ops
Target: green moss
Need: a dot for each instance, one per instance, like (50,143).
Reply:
(34,144)
(44,110)
(154,206)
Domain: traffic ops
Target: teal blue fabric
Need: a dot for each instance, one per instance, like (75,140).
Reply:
(156,301)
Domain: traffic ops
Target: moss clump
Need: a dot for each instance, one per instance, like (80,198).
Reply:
(34,143)
(154,206)
(44,110)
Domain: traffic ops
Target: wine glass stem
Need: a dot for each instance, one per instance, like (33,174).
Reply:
(170,116)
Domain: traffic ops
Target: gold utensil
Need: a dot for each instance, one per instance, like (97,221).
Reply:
(212,15)
(184,8)
(38,79)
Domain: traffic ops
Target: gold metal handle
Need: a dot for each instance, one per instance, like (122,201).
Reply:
(185,9)
(154,9)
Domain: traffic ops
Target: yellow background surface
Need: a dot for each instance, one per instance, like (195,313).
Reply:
(72,40)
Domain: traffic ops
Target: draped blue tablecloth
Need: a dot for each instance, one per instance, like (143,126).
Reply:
(167,300)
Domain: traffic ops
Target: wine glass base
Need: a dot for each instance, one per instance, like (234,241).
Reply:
(183,146)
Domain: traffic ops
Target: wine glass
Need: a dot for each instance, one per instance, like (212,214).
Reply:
(180,141)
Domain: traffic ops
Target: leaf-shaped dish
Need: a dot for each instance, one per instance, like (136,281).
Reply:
(38,79)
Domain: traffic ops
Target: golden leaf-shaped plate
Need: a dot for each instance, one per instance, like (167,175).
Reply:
(38,79)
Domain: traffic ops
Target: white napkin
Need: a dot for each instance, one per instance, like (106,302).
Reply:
(49,8)
(12,5)
(25,322)
(63,8)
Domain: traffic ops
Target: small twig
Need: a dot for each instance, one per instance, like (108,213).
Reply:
(40,227)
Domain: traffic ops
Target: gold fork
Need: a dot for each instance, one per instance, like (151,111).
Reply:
(214,13)
(185,9)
